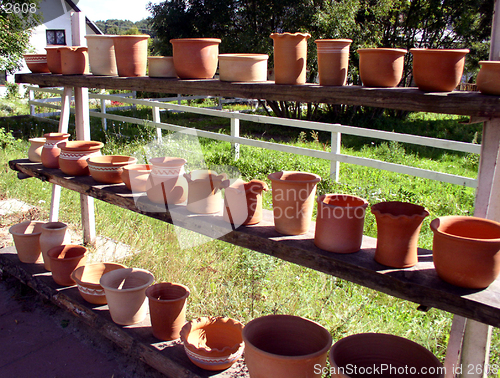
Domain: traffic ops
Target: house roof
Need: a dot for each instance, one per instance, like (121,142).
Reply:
(90,23)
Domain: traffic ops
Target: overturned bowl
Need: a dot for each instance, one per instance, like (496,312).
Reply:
(107,169)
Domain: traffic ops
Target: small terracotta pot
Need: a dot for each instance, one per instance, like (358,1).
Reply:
(64,259)
(75,60)
(102,58)
(54,234)
(167,184)
(161,66)
(204,191)
(398,227)
(290,57)
(339,223)
(285,346)
(488,78)
(213,343)
(293,200)
(136,176)
(37,63)
(195,58)
(381,67)
(167,308)
(243,202)
(26,237)
(50,151)
(333,60)
(243,67)
(131,52)
(54,59)
(35,150)
(74,155)
(107,169)
(466,250)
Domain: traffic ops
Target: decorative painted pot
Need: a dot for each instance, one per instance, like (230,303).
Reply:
(167,308)
(54,59)
(488,78)
(126,294)
(333,60)
(161,66)
(107,169)
(438,70)
(74,155)
(131,52)
(243,202)
(136,176)
(243,67)
(339,223)
(381,67)
(37,63)
(26,237)
(167,184)
(64,259)
(293,200)
(50,151)
(75,60)
(213,343)
(285,346)
(53,234)
(35,150)
(195,58)
(398,227)
(102,58)
(466,250)
(290,57)
(204,191)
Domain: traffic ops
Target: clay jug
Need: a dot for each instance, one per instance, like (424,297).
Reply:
(131,52)
(204,191)
(195,58)
(53,234)
(488,78)
(243,202)
(333,60)
(51,151)
(26,237)
(381,67)
(64,259)
(290,57)
(35,150)
(75,60)
(102,58)
(54,59)
(167,184)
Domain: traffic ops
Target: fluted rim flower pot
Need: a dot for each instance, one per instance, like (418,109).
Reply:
(243,202)
(136,176)
(74,155)
(131,52)
(466,250)
(26,237)
(53,234)
(35,150)
(333,60)
(285,346)
(290,57)
(50,151)
(205,191)
(64,259)
(243,67)
(161,66)
(75,60)
(488,78)
(54,59)
(167,184)
(195,58)
(37,63)
(102,58)
(381,67)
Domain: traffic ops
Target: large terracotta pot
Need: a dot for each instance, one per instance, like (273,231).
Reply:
(53,234)
(161,66)
(488,78)
(243,202)
(195,58)
(74,155)
(131,52)
(285,346)
(466,250)
(50,152)
(167,184)
(54,59)
(204,191)
(35,150)
(136,176)
(381,67)
(26,237)
(102,58)
(64,259)
(37,63)
(293,200)
(243,67)
(333,60)
(75,60)
(290,57)
(438,70)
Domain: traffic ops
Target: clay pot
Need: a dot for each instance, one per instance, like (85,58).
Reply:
(136,176)
(131,52)
(381,67)
(75,60)
(466,250)
(398,227)
(35,150)
(37,63)
(204,191)
(333,60)
(102,58)
(378,352)
(54,59)
(339,223)
(488,78)
(167,308)
(53,234)
(64,259)
(126,294)
(293,200)
(161,66)
(167,184)
(438,70)
(50,151)
(74,155)
(243,202)
(107,169)
(26,237)
(285,346)
(195,58)
(87,279)
(290,57)
(243,67)
(213,343)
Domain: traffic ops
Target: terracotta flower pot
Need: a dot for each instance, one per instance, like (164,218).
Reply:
(102,58)
(373,354)
(64,259)
(167,184)
(195,58)
(53,234)
(26,237)
(75,60)
(37,63)
(35,150)
(290,57)
(243,202)
(466,250)
(131,52)
(54,59)
(126,294)
(167,308)
(398,227)
(213,343)
(339,223)
(107,169)
(333,60)
(438,70)
(488,78)
(204,191)
(381,67)
(161,66)
(243,67)
(285,346)
(136,176)
(74,155)
(50,151)
(293,200)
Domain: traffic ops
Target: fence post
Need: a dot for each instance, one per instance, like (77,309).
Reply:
(219,103)
(235,132)
(335,150)
(156,119)
(104,121)
(31,96)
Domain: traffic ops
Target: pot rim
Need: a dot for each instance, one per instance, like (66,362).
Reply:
(243,56)
(78,280)
(132,36)
(130,289)
(142,168)
(381,49)
(434,225)
(287,35)
(168,162)
(13,232)
(54,226)
(38,139)
(56,135)
(32,55)
(489,62)
(170,284)
(158,57)
(321,198)
(109,160)
(51,252)
(422,214)
(423,49)
(314,177)
(190,40)
(326,40)
(80,145)
(95,36)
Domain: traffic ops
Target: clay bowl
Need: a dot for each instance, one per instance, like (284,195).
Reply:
(161,66)
(135,176)
(108,169)
(64,259)
(37,63)
(74,155)
(243,67)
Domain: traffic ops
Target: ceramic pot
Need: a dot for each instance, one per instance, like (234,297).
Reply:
(204,191)
(64,259)
(438,70)
(167,308)
(35,150)
(102,58)
(466,250)
(37,63)
(195,58)
(26,237)
(243,67)
(50,151)
(136,176)
(74,155)
(75,60)
(87,280)
(488,78)
(398,227)
(372,352)
(131,52)
(290,57)
(381,67)
(167,184)
(285,346)
(107,169)
(293,200)
(213,343)
(53,234)
(54,59)
(339,223)
(161,66)
(333,60)
(126,294)
(243,202)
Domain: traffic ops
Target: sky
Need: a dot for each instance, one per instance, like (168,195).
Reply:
(133,10)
